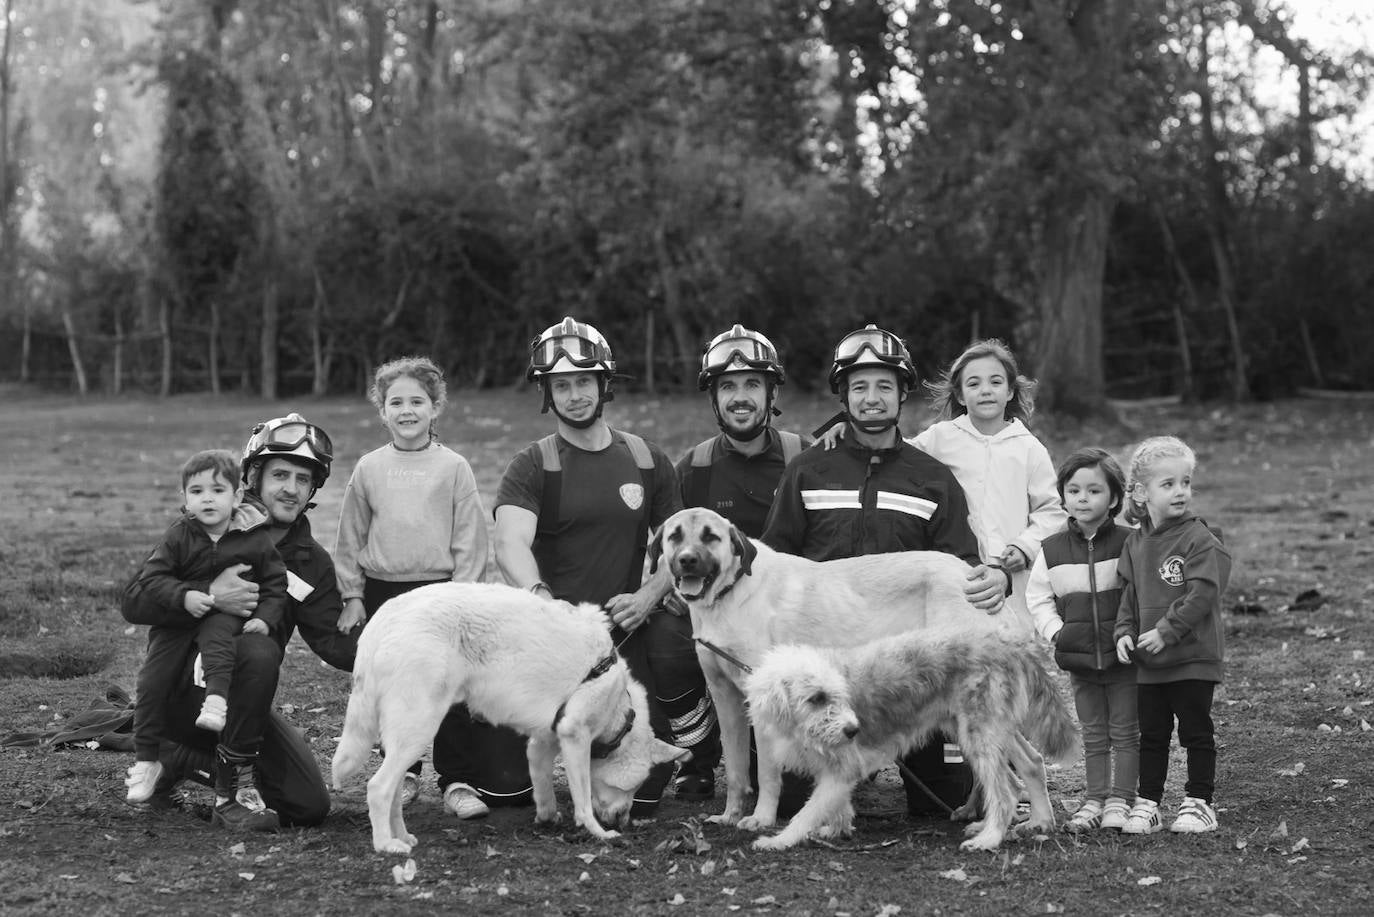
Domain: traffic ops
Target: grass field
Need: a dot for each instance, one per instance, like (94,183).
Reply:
(88,485)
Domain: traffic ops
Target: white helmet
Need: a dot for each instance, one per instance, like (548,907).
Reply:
(569,347)
(291,437)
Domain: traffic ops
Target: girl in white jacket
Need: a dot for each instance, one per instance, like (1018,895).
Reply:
(1007,475)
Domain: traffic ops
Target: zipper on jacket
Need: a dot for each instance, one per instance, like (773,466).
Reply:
(1092,588)
(865,504)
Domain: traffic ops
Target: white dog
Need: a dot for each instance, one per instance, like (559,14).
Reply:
(545,668)
(745,597)
(840,715)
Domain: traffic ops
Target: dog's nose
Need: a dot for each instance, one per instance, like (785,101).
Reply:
(688,561)
(851,730)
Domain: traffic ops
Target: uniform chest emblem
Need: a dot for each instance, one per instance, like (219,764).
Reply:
(633,495)
(1171,571)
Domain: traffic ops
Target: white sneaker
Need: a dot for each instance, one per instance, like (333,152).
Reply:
(1088,817)
(1144,817)
(410,788)
(1114,814)
(463,801)
(1195,816)
(142,780)
(212,713)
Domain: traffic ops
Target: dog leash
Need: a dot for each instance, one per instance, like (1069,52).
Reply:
(723,654)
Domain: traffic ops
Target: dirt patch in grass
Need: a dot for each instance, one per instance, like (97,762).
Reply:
(90,485)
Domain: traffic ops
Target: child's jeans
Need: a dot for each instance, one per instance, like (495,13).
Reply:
(1111,735)
(1190,703)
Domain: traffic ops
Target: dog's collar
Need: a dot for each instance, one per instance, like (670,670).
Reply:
(725,590)
(603,665)
(602,748)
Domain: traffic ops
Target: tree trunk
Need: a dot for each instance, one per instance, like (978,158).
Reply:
(267,339)
(672,295)
(1218,220)
(319,383)
(1068,304)
(117,384)
(73,348)
(1187,388)
(164,323)
(213,346)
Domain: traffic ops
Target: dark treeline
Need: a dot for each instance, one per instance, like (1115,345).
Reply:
(273,197)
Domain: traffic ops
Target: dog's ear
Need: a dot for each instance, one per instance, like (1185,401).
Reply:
(661,752)
(656,549)
(744,550)
(769,700)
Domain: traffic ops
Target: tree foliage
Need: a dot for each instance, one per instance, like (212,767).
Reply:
(275,197)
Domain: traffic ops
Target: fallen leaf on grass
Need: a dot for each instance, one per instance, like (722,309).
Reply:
(1148,880)
(585,877)
(1294,770)
(126,879)
(247,876)
(764,899)
(492,852)
(677,899)
(1279,832)
(708,867)
(889,910)
(1339,782)
(957,875)
(1301,844)
(1364,725)
(237,849)
(587,858)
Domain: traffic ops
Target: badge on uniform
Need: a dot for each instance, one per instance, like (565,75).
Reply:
(633,495)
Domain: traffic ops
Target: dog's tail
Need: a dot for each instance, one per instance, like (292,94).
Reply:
(1048,723)
(360,733)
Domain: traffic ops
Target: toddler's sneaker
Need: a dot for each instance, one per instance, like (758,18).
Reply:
(142,780)
(410,788)
(1144,817)
(1195,816)
(463,801)
(1088,817)
(1114,814)
(212,713)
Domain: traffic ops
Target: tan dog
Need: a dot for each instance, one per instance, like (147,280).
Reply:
(745,598)
(545,668)
(840,715)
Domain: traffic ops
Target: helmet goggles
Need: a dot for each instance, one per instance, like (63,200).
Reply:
(882,345)
(581,352)
(290,436)
(739,350)
(868,346)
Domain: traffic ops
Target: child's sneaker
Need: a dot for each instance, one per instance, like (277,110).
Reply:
(410,788)
(463,801)
(1114,814)
(212,713)
(1144,817)
(1088,817)
(1195,816)
(142,780)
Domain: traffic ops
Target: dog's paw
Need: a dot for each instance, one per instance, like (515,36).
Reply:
(966,812)
(548,819)
(775,842)
(755,823)
(982,842)
(973,828)
(725,818)
(396,845)
(1031,827)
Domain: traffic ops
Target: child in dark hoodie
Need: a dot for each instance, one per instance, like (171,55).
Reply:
(1175,570)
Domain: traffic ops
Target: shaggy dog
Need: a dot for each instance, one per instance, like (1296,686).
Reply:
(745,597)
(840,715)
(545,668)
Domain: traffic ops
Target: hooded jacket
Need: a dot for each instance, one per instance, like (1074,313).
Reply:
(1173,578)
(187,559)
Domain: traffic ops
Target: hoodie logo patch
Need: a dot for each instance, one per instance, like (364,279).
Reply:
(1171,571)
(633,495)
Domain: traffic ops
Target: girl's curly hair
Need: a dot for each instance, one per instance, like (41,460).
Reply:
(422,370)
